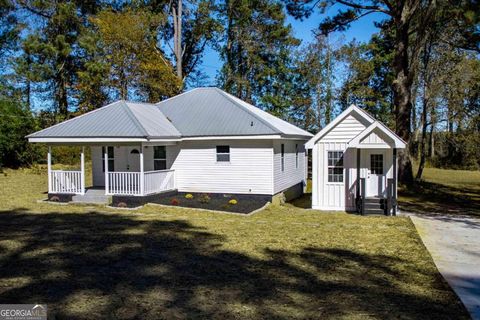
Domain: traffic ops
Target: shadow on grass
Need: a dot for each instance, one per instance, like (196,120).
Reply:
(99,265)
(303,202)
(433,198)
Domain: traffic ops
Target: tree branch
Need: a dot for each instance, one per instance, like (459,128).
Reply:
(363,7)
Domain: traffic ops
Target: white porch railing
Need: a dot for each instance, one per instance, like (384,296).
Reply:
(62,181)
(124,183)
(129,183)
(157,181)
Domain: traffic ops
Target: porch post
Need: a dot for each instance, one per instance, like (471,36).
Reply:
(142,177)
(105,156)
(82,168)
(358,173)
(394,204)
(49,169)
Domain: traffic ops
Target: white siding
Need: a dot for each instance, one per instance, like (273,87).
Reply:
(292,173)
(249,170)
(346,129)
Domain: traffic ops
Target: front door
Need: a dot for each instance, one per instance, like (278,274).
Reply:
(376,174)
(133,160)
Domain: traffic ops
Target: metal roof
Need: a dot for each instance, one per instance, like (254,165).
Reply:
(213,112)
(118,119)
(197,113)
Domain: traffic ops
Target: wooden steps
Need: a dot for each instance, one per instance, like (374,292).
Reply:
(375,205)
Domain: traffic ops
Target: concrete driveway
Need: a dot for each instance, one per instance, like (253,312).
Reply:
(454,243)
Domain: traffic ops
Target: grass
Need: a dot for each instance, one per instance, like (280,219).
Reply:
(284,262)
(444,191)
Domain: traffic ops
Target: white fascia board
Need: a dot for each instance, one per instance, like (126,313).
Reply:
(257,137)
(397,141)
(331,125)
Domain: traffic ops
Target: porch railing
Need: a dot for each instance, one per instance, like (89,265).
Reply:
(123,183)
(63,181)
(129,183)
(157,181)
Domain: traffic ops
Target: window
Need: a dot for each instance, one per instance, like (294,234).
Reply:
(223,153)
(296,156)
(111,161)
(335,166)
(159,158)
(376,163)
(283,157)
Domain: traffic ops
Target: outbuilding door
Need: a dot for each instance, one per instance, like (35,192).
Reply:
(376,172)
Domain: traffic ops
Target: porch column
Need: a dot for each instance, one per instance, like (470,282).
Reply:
(82,170)
(49,168)
(394,207)
(358,173)
(105,159)
(142,176)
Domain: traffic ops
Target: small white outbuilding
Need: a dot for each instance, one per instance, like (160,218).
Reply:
(354,164)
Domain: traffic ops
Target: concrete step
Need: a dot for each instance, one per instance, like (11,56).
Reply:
(94,199)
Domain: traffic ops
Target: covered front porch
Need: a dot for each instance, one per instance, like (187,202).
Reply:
(126,170)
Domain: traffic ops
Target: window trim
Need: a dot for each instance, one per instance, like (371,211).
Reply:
(335,166)
(282,156)
(159,159)
(108,158)
(217,154)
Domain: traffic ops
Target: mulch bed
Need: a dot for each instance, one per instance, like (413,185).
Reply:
(210,201)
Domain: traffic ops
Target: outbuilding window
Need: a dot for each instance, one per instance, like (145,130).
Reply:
(296,156)
(159,158)
(283,156)
(335,166)
(223,153)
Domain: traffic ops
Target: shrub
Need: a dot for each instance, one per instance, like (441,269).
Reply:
(204,198)
(174,202)
(189,196)
(122,205)
(233,202)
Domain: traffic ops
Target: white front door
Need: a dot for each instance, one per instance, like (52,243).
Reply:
(376,173)
(133,159)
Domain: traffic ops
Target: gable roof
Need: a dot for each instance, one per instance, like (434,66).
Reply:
(213,112)
(373,124)
(397,142)
(118,119)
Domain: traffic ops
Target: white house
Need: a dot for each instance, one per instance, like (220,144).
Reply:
(354,164)
(204,140)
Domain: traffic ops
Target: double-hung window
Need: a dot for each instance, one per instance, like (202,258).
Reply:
(159,158)
(223,153)
(335,166)
(296,156)
(111,160)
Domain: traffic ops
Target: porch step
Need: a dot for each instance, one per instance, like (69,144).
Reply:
(374,205)
(92,196)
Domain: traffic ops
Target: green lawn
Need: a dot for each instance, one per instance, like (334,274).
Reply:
(284,262)
(444,191)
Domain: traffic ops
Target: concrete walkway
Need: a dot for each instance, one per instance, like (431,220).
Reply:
(454,243)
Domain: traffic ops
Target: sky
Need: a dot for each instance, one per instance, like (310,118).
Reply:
(361,30)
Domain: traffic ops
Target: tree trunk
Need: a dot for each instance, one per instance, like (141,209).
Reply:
(423,151)
(61,95)
(177,38)
(402,86)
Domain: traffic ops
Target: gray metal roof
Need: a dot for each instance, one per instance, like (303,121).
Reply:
(199,112)
(213,112)
(118,119)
